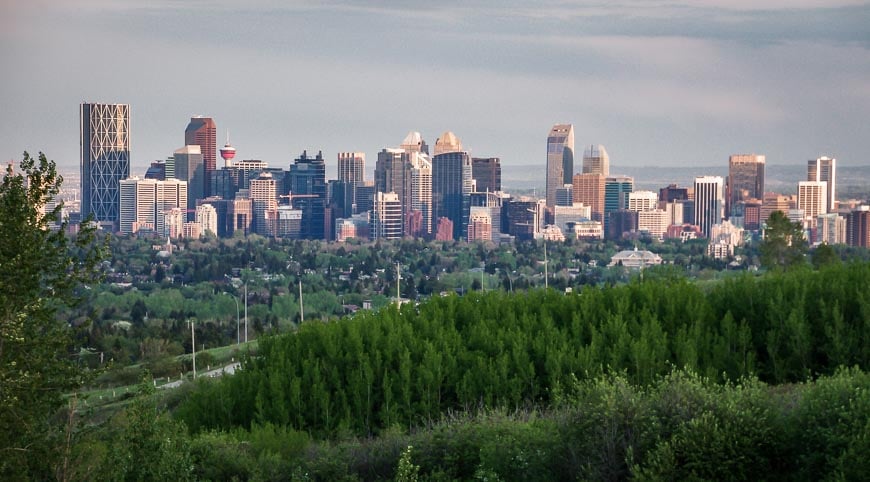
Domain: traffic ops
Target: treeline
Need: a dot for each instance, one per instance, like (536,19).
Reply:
(407,367)
(680,427)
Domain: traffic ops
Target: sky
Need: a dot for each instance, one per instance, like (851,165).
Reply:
(658,83)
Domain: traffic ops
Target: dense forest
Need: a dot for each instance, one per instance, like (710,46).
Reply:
(406,367)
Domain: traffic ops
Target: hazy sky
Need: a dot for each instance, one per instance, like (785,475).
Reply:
(666,83)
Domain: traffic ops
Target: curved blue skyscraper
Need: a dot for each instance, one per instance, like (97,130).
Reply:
(451,183)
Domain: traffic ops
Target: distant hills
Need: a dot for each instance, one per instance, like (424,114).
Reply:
(852,181)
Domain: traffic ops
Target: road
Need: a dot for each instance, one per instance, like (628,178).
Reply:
(217,372)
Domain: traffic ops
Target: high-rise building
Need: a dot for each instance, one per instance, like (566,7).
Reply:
(560,159)
(486,172)
(144,201)
(479,224)
(825,169)
(351,167)
(642,200)
(420,193)
(104,135)
(673,193)
(858,227)
(565,195)
(390,173)
(308,177)
(386,220)
(596,160)
(206,216)
(616,191)
(202,132)
(745,179)
(190,168)
(589,190)
(451,182)
(263,200)
(709,202)
(812,198)
(519,219)
(414,142)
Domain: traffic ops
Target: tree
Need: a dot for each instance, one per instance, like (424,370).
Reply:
(41,270)
(784,244)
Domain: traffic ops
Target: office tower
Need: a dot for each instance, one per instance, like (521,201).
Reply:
(419,194)
(642,200)
(830,229)
(560,159)
(709,202)
(364,198)
(493,203)
(479,224)
(825,169)
(774,202)
(104,136)
(448,142)
(518,219)
(673,193)
(564,217)
(596,161)
(224,182)
(745,180)
(157,170)
(565,195)
(752,215)
(189,168)
(263,200)
(812,198)
(387,216)
(240,215)
(308,177)
(351,167)
(589,190)
(451,182)
(619,222)
(202,132)
(486,172)
(222,210)
(414,142)
(616,190)
(858,227)
(654,222)
(144,202)
(390,173)
(248,169)
(206,216)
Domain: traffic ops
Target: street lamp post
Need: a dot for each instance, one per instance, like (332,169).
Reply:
(193,346)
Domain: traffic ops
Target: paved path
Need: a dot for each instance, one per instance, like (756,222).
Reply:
(217,372)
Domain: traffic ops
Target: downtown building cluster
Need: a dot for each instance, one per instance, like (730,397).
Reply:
(445,194)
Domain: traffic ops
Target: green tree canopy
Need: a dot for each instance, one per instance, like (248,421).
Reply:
(40,270)
(784,244)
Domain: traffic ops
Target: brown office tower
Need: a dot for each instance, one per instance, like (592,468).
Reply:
(486,171)
(589,190)
(202,132)
(745,180)
(858,227)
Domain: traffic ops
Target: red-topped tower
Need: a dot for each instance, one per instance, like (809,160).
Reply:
(228,152)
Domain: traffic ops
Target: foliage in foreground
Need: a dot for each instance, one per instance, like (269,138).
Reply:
(407,367)
(40,271)
(680,427)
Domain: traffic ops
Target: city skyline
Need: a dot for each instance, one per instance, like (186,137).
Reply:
(717,78)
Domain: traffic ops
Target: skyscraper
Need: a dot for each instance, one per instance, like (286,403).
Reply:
(589,190)
(189,167)
(104,135)
(596,160)
(486,172)
(812,198)
(560,159)
(390,173)
(709,202)
(745,179)
(202,132)
(308,176)
(414,142)
(387,216)
(451,182)
(420,192)
(351,167)
(264,203)
(616,191)
(825,169)
(144,202)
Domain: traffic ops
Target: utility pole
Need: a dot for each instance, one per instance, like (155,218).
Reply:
(193,346)
(301,306)
(546,271)
(398,280)
(246,312)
